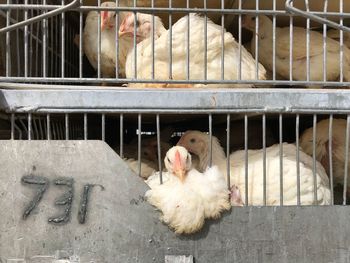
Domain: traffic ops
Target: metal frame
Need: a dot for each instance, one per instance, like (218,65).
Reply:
(76,76)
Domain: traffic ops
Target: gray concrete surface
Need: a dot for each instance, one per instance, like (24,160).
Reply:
(121,227)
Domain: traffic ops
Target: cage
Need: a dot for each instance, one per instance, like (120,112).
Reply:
(271,87)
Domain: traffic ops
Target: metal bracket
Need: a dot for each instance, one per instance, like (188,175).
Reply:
(32,20)
(307,14)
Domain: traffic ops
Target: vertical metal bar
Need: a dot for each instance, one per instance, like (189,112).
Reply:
(210,140)
(135,43)
(246,157)
(12,126)
(341,40)
(8,49)
(44,45)
(41,129)
(291,40)
(274,42)
(222,41)
(330,155)
(48,126)
(29,126)
(117,41)
(30,46)
(85,127)
(297,120)
(103,127)
(314,138)
(66,125)
(121,130)
(81,42)
(159,150)
(35,129)
(152,34)
(26,47)
(63,34)
(53,47)
(228,164)
(205,42)
(37,35)
(170,43)
(139,143)
(257,41)
(307,43)
(99,41)
(188,44)
(240,41)
(19,69)
(280,122)
(346,166)
(325,46)
(264,157)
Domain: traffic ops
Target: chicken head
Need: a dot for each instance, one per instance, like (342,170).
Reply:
(178,162)
(108,18)
(143,26)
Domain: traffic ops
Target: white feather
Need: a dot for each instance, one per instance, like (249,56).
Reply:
(196,62)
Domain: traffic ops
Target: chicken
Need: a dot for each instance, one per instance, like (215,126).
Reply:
(299,69)
(179,51)
(322,150)
(197,144)
(146,169)
(108,41)
(335,34)
(149,147)
(187,196)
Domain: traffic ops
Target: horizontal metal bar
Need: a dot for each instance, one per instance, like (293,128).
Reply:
(123,100)
(168,10)
(329,84)
(32,20)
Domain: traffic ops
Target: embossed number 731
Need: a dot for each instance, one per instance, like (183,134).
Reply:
(66,199)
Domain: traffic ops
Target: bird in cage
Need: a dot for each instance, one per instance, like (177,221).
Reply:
(108,41)
(197,143)
(335,34)
(187,197)
(299,51)
(216,57)
(338,145)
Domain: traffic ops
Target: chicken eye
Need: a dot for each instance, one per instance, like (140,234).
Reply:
(168,160)
(193,140)
(253,18)
(137,23)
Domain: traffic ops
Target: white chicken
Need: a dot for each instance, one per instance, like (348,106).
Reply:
(108,41)
(197,143)
(179,51)
(187,196)
(322,150)
(146,169)
(299,68)
(335,34)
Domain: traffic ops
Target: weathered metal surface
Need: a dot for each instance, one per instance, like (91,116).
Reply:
(122,227)
(178,259)
(178,100)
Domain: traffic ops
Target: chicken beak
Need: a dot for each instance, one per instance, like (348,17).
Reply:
(179,170)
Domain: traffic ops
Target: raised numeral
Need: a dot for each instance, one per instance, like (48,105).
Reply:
(42,184)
